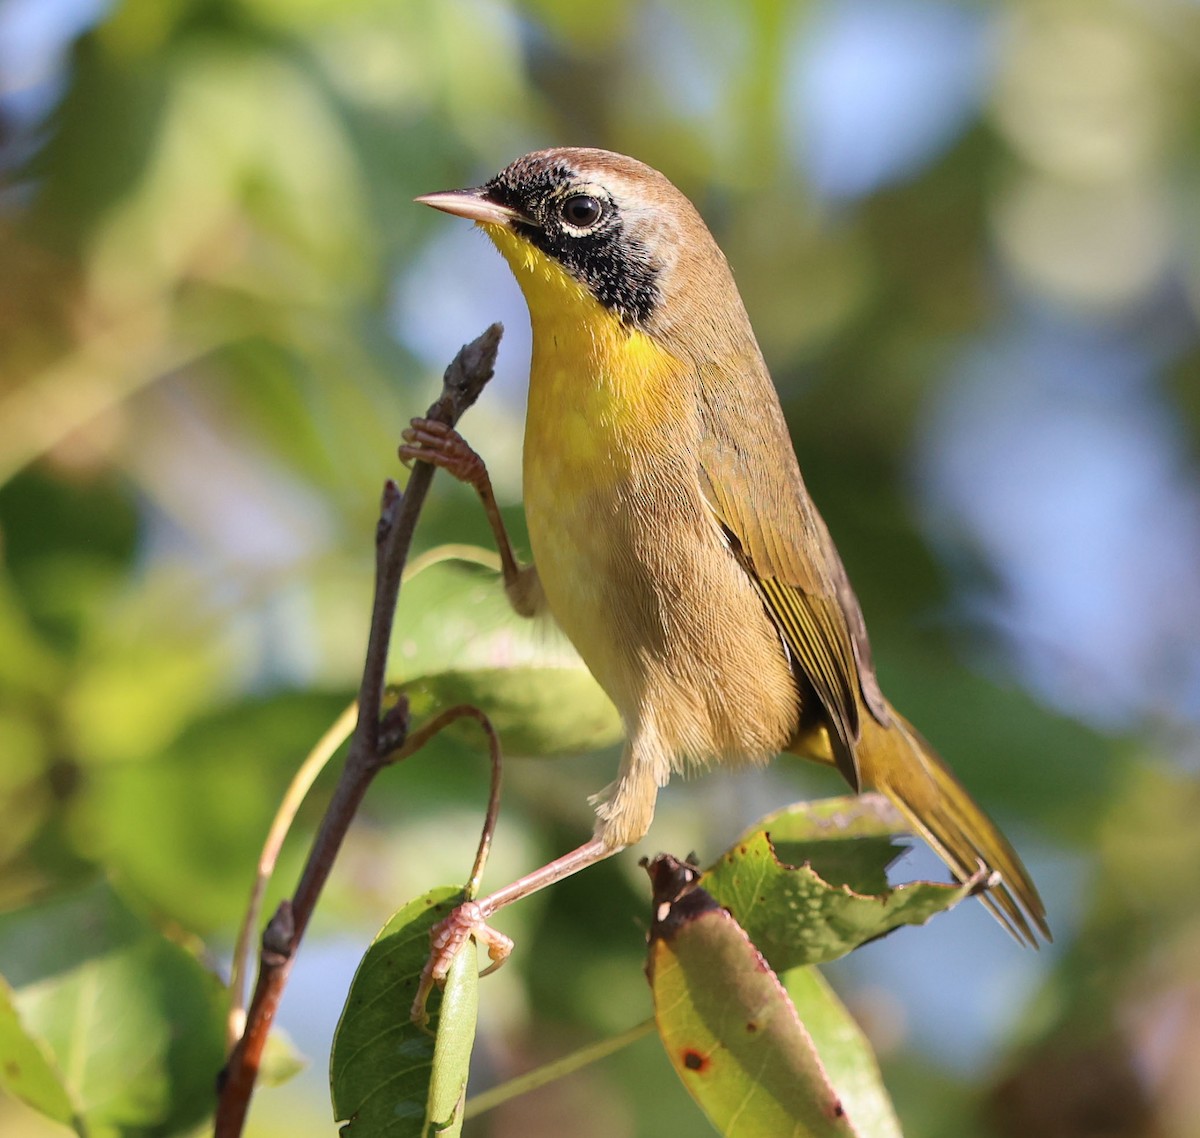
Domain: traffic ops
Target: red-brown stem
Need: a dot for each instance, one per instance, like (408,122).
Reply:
(417,739)
(464,380)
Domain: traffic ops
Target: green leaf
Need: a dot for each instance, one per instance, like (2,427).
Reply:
(186,826)
(59,531)
(281,1060)
(455,1039)
(538,711)
(845,1053)
(793,914)
(28,665)
(730,1030)
(849,840)
(134,694)
(389,1077)
(131,1019)
(26,1070)
(459,641)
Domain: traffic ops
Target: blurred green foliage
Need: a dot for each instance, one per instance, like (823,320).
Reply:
(208,349)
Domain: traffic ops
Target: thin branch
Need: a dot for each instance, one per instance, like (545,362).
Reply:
(464,380)
(295,794)
(302,782)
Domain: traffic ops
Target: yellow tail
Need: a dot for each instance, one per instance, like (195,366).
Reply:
(899,763)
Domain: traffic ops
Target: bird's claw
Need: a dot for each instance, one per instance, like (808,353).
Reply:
(446,941)
(982,880)
(429,440)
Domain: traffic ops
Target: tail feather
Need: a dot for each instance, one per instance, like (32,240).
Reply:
(941,810)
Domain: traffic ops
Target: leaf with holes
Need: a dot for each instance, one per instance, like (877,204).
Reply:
(849,840)
(793,912)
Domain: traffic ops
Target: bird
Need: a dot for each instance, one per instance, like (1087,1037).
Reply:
(673,538)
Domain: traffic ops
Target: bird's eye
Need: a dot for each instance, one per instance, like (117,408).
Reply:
(582,211)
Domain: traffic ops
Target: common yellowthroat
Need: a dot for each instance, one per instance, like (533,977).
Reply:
(673,538)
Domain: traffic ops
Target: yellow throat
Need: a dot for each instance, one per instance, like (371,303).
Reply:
(595,385)
(602,400)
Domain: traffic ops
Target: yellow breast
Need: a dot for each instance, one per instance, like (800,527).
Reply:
(606,412)
(632,562)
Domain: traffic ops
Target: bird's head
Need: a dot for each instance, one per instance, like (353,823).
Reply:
(606,227)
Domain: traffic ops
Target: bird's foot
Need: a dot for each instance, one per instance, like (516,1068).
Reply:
(428,440)
(982,880)
(446,940)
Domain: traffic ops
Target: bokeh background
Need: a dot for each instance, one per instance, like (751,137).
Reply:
(967,236)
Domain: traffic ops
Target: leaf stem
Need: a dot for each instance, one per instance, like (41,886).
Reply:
(417,739)
(558,1069)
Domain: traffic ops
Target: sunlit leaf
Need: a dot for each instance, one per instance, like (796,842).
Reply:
(187,826)
(459,641)
(845,1053)
(537,711)
(730,1030)
(263,121)
(794,914)
(849,840)
(132,1020)
(388,1077)
(133,696)
(26,1071)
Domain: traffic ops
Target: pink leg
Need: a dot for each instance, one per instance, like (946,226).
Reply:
(470,919)
(427,440)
